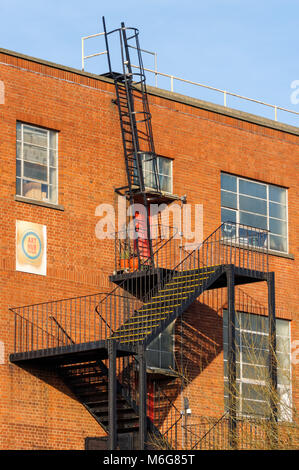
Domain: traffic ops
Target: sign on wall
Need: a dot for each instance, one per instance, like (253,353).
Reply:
(31,247)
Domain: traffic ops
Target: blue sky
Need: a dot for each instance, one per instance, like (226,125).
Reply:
(247,47)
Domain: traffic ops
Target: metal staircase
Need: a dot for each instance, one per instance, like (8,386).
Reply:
(89,383)
(97,343)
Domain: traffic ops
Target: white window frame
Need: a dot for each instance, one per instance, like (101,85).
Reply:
(160,350)
(160,174)
(21,159)
(242,380)
(237,211)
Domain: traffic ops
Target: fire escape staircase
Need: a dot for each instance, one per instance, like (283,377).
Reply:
(97,343)
(74,336)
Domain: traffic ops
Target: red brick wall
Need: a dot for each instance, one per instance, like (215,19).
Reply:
(37,411)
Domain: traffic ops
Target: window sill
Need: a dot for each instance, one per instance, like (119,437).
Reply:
(282,255)
(39,203)
(158,372)
(259,250)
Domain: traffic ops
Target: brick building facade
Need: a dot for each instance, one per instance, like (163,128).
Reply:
(204,142)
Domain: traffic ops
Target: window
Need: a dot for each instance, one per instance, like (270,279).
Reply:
(252,364)
(36,163)
(164,168)
(160,353)
(258,205)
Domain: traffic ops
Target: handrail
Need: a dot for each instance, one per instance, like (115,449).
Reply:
(124,245)
(79,316)
(225,92)
(173,78)
(214,425)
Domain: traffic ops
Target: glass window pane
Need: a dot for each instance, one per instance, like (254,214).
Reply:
(32,189)
(45,192)
(153,358)
(35,154)
(278,243)
(53,140)
(277,210)
(253,205)
(283,361)
(165,183)
(278,227)
(254,322)
(254,391)
(254,340)
(253,189)
(285,409)
(53,159)
(19,131)
(277,194)
(253,220)
(225,334)
(255,356)
(282,327)
(228,215)
(256,408)
(34,135)
(228,182)
(19,150)
(18,168)
(37,172)
(164,166)
(53,176)
(18,187)
(283,377)
(34,157)
(254,372)
(166,360)
(283,344)
(229,199)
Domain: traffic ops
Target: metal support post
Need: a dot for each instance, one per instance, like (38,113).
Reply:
(142,397)
(112,410)
(232,375)
(273,402)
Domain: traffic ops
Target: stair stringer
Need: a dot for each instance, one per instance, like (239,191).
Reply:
(178,311)
(121,390)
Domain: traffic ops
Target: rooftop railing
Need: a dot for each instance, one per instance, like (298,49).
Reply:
(174,81)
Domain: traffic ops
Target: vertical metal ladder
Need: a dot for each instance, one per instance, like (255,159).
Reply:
(135,117)
(135,123)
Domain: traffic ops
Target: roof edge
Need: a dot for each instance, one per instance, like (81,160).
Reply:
(169,95)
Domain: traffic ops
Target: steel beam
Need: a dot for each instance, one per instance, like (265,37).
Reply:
(142,397)
(273,401)
(112,391)
(232,375)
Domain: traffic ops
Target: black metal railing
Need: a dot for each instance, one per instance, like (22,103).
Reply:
(132,250)
(70,321)
(86,318)
(166,418)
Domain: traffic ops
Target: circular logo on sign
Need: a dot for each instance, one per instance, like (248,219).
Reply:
(31,245)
